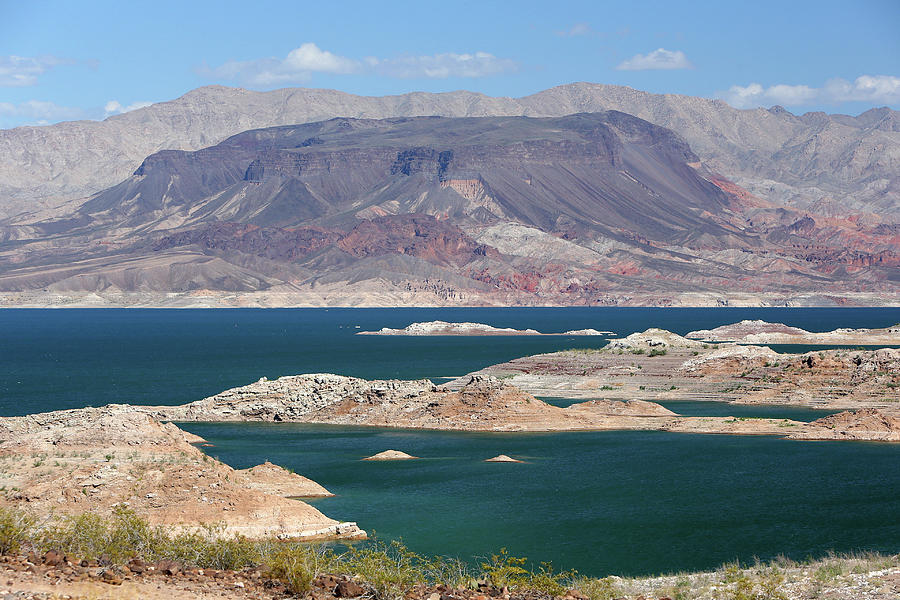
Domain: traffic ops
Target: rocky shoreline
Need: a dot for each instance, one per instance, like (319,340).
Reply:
(96,459)
(380,295)
(762,332)
(658,365)
(484,402)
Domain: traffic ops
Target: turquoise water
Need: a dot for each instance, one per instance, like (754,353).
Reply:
(52,359)
(623,502)
(600,502)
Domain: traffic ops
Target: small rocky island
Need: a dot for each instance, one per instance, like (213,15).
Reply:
(473,329)
(391,455)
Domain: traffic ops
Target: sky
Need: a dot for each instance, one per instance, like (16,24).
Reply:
(89,60)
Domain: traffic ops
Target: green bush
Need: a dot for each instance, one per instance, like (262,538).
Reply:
(598,589)
(298,565)
(390,569)
(15,529)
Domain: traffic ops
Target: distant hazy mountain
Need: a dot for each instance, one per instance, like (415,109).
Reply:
(833,164)
(587,208)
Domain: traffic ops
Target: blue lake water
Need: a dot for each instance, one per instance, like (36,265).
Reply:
(603,502)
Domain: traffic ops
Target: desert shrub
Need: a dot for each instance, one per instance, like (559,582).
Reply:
(598,589)
(16,528)
(504,570)
(449,571)
(297,565)
(547,581)
(829,571)
(85,536)
(390,569)
(210,548)
(657,352)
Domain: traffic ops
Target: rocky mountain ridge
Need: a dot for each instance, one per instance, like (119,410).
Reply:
(832,164)
(583,209)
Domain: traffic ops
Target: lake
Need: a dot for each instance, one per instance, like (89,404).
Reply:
(600,502)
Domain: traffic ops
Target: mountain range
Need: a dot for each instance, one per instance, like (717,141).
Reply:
(581,194)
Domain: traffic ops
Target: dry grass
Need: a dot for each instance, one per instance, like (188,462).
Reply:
(390,570)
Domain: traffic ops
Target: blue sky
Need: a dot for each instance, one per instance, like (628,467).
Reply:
(70,60)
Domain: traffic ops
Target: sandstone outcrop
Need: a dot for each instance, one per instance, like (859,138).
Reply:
(92,459)
(391,455)
(652,338)
(762,332)
(867,424)
(274,479)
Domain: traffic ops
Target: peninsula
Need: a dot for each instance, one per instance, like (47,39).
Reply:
(96,459)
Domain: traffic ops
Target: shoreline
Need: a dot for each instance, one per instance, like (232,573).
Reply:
(311,299)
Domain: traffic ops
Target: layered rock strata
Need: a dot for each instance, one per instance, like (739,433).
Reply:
(94,459)
(659,365)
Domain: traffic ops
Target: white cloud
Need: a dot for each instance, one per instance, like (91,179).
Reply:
(576,30)
(866,88)
(658,59)
(296,67)
(114,107)
(300,64)
(877,89)
(22,71)
(39,112)
(442,66)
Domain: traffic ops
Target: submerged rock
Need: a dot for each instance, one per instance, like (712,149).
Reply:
(503,458)
(391,455)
